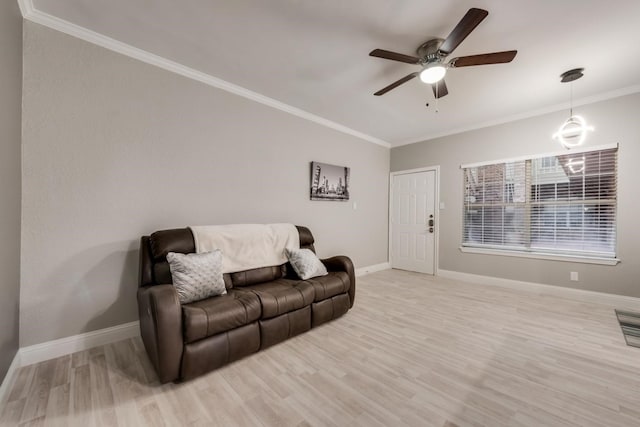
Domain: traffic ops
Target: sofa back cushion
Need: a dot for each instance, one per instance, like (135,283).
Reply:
(257,275)
(306,238)
(154,268)
(179,240)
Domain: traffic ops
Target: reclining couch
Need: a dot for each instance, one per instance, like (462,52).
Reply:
(262,307)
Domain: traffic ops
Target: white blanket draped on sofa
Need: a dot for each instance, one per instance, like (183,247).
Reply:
(247,246)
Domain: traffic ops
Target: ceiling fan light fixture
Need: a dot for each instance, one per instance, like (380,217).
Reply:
(433,73)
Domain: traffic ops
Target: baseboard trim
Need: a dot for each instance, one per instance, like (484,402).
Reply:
(68,345)
(63,346)
(372,269)
(621,301)
(7,383)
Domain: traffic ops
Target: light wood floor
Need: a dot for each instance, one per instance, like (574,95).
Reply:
(415,350)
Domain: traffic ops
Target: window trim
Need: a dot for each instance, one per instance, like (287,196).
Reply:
(583,259)
(532,254)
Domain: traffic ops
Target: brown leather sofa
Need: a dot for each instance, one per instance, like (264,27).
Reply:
(262,307)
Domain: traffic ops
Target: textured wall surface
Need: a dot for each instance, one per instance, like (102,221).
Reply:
(10,128)
(115,148)
(615,121)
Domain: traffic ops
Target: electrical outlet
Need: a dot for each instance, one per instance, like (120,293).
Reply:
(574,276)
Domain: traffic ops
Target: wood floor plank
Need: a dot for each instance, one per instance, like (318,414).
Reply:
(12,411)
(415,350)
(102,394)
(80,358)
(35,422)
(151,415)
(58,407)
(21,384)
(62,371)
(80,396)
(38,395)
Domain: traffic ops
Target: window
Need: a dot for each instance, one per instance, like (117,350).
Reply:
(562,204)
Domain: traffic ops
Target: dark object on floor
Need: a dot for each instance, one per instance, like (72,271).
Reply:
(630,325)
(262,307)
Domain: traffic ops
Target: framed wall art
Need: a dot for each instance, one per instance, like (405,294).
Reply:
(329,182)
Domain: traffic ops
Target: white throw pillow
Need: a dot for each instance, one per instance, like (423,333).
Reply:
(197,276)
(306,263)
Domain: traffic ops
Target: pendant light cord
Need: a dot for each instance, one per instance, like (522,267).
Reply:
(571,99)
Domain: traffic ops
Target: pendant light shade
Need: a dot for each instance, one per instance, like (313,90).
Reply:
(573,131)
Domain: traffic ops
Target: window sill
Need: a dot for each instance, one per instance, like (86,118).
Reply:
(539,255)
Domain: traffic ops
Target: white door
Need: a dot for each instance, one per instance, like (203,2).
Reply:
(413,221)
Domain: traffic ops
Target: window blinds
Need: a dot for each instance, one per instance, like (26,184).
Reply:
(563,204)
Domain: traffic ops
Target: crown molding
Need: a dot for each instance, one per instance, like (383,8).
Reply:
(30,13)
(526,115)
(26,8)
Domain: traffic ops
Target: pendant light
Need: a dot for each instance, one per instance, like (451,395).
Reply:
(573,131)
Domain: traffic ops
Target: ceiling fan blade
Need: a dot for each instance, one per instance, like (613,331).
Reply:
(439,89)
(396,84)
(484,59)
(386,54)
(468,23)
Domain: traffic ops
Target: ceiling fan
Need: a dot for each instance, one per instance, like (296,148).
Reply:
(432,54)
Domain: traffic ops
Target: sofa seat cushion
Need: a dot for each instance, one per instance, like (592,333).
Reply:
(335,283)
(282,296)
(218,314)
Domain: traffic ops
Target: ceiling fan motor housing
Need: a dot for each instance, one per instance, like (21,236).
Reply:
(429,51)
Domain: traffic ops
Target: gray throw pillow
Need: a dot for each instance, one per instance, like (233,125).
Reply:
(305,263)
(197,276)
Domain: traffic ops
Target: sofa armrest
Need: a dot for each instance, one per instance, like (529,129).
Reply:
(161,329)
(343,263)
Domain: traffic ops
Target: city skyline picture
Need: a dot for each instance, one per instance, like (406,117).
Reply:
(329,182)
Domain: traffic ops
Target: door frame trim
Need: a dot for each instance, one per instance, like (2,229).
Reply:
(436,237)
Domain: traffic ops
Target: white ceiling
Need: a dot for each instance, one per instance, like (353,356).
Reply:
(313,54)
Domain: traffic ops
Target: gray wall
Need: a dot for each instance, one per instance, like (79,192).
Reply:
(10,119)
(114,148)
(615,121)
